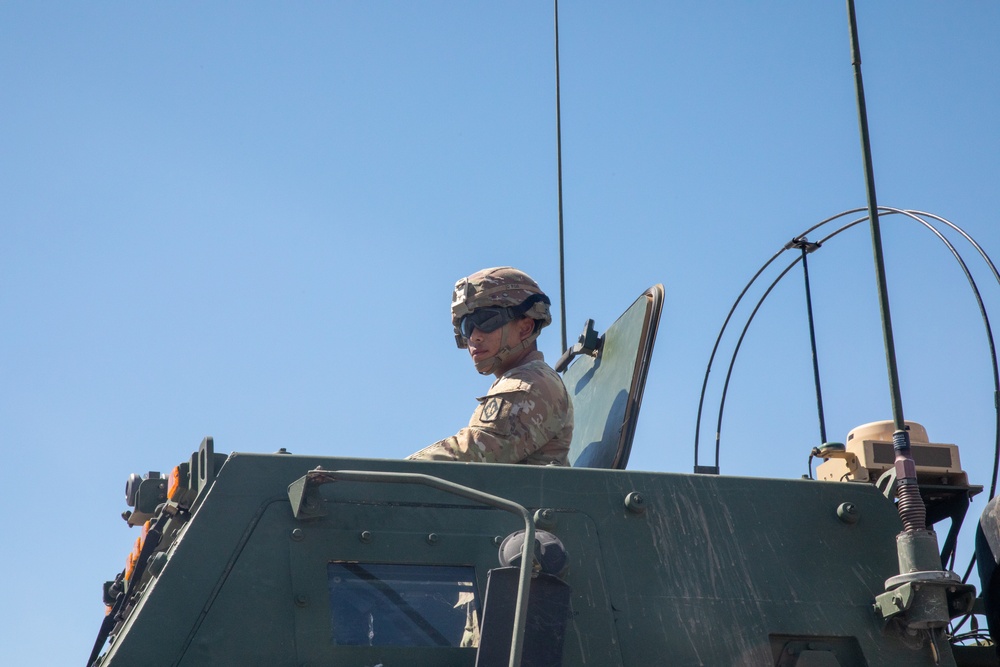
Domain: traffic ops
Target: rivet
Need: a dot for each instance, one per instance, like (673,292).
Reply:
(432,538)
(498,540)
(298,535)
(301,600)
(365,536)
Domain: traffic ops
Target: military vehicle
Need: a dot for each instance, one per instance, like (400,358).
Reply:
(279,559)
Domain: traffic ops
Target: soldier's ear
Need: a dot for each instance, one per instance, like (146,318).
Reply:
(524,327)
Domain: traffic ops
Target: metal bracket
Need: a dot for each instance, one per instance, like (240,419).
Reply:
(305,498)
(894,602)
(802,243)
(589,343)
(887,483)
(960,597)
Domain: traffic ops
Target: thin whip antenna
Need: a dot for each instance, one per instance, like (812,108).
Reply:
(562,256)
(916,546)
(883,290)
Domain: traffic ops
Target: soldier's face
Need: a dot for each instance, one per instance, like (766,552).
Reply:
(484,345)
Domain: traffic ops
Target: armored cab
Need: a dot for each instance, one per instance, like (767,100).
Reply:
(279,559)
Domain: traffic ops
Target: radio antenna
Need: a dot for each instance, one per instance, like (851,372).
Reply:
(916,546)
(883,290)
(562,256)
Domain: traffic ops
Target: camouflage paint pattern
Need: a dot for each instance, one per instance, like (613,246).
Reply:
(526,417)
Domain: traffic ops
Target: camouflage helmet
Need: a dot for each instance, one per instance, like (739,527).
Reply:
(499,287)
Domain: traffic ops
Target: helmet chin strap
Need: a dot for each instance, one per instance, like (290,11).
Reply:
(489,365)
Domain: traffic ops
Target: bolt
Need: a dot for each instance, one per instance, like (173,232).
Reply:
(545,518)
(432,538)
(498,540)
(848,513)
(156,562)
(897,600)
(298,535)
(365,536)
(635,503)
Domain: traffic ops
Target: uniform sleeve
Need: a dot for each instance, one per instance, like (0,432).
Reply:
(510,423)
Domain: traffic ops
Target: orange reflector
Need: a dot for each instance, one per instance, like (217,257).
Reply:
(129,565)
(133,556)
(174,484)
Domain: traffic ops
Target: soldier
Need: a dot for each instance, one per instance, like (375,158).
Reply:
(527,416)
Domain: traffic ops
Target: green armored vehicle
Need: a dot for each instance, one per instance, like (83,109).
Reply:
(285,560)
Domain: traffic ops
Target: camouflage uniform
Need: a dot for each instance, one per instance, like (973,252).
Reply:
(526,417)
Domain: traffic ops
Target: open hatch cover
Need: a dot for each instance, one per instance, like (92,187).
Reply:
(606,385)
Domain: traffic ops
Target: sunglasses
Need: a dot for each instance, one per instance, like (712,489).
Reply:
(486,320)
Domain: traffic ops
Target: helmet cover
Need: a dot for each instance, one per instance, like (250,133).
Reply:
(499,287)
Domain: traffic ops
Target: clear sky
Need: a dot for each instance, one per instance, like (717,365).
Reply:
(244,220)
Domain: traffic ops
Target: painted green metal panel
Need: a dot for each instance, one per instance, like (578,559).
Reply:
(708,570)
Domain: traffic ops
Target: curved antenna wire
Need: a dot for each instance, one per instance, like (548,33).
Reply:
(950,545)
(739,343)
(732,361)
(993,353)
(914,215)
(725,324)
(951,540)
(711,358)
(996,385)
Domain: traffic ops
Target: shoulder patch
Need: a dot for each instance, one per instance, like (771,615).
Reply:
(492,408)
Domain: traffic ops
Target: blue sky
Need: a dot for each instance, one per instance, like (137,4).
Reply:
(244,220)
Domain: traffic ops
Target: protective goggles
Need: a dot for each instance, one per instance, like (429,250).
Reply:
(486,320)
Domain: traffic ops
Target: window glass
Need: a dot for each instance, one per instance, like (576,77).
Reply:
(389,604)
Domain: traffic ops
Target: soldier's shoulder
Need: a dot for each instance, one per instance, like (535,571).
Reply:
(527,377)
(510,384)
(536,375)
